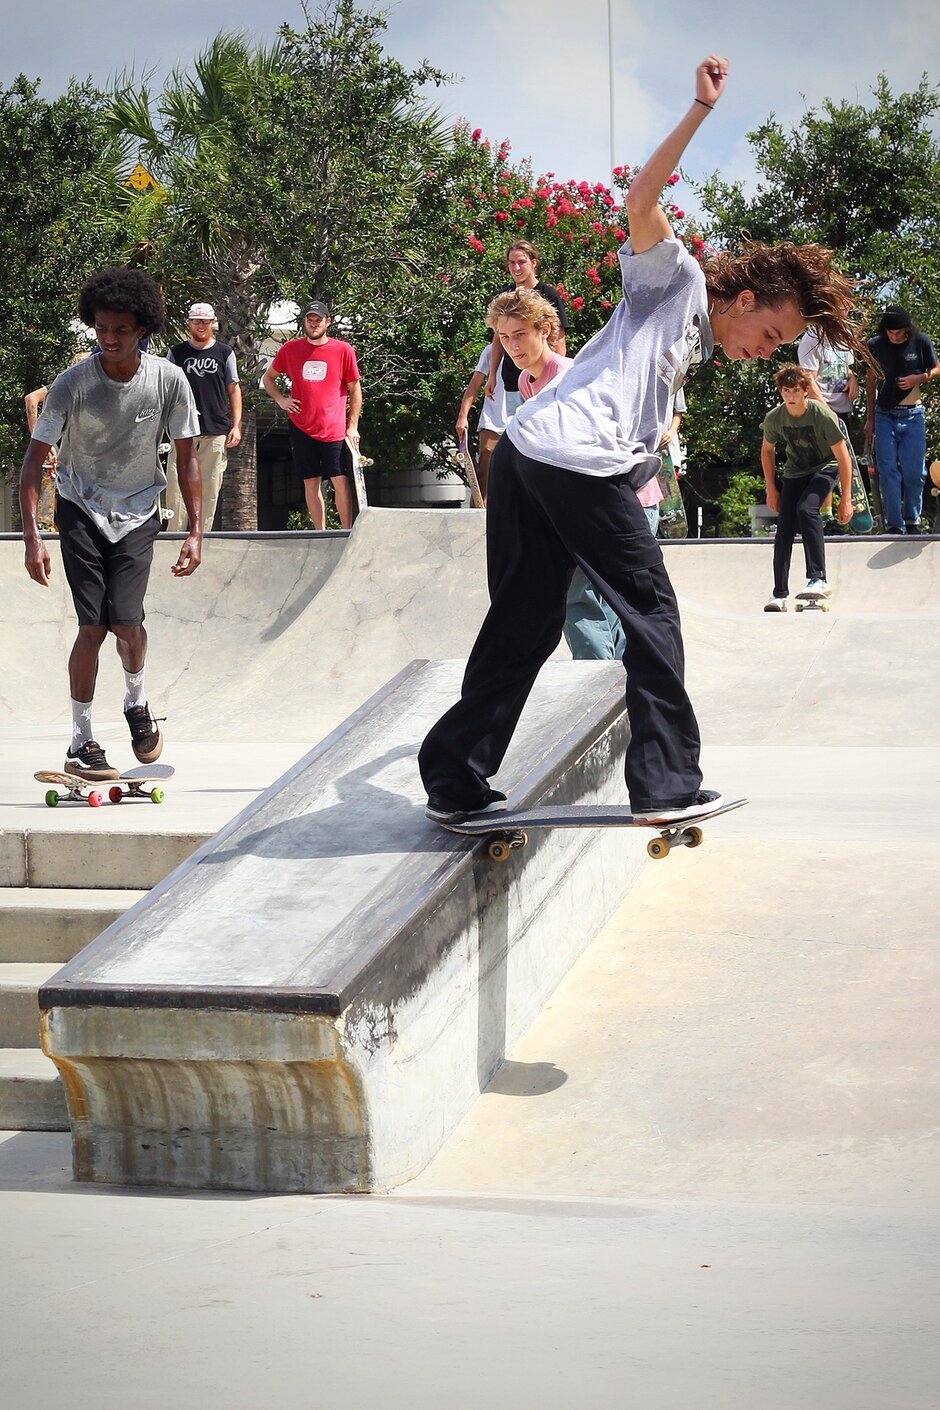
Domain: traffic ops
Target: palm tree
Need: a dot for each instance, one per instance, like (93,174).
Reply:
(186,137)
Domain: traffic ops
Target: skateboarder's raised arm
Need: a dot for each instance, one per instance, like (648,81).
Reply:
(648,222)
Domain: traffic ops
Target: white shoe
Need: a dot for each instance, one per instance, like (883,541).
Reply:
(816,587)
(775,604)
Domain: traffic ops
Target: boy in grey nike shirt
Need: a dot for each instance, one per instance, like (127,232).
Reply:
(110,414)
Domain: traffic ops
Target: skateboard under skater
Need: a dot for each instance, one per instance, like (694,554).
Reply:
(507,832)
(812,602)
(68,788)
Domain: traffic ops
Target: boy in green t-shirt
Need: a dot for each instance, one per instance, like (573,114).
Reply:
(816,458)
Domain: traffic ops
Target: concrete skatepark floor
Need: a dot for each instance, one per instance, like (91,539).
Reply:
(708,1174)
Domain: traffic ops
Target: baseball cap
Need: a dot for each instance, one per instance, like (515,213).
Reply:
(201,311)
(318,307)
(896,317)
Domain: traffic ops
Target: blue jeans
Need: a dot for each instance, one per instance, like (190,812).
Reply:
(901,454)
(592,629)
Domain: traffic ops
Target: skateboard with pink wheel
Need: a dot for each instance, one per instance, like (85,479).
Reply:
(68,788)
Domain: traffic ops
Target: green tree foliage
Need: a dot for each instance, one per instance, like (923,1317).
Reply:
(62,214)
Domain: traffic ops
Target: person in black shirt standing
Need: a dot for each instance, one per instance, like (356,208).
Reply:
(209,368)
(522,261)
(896,420)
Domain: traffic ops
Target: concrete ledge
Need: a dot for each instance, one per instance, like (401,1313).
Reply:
(317,996)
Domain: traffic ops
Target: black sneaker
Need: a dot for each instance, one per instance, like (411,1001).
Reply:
(89,762)
(146,736)
(441,810)
(913,528)
(706,801)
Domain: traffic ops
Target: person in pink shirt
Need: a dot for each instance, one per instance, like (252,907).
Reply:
(323,407)
(526,325)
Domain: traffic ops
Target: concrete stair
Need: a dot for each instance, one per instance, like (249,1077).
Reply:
(40,930)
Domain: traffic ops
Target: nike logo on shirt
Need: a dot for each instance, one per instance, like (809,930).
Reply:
(146,415)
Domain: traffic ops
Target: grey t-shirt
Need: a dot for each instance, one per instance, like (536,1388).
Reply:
(110,433)
(607,414)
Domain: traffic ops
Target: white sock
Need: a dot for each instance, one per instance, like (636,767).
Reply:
(81,724)
(134,693)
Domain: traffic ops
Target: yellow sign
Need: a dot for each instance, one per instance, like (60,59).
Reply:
(141,180)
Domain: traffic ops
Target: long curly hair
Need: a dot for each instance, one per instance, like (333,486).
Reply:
(120,290)
(804,273)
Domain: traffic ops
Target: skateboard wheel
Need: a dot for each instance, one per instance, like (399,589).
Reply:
(52,798)
(95,799)
(498,851)
(799,606)
(116,794)
(658,848)
(157,796)
(519,840)
(694,837)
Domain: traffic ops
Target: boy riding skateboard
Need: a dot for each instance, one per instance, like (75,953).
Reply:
(111,413)
(816,460)
(563,491)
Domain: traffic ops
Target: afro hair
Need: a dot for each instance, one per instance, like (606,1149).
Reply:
(120,290)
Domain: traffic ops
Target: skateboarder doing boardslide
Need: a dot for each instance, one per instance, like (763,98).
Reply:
(111,413)
(563,491)
(817,458)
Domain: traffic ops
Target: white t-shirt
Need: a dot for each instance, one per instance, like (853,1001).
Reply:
(607,414)
(493,410)
(832,367)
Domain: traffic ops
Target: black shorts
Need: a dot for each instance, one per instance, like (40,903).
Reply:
(316,460)
(108,580)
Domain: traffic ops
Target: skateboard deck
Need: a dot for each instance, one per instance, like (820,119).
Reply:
(861,521)
(464,459)
(673,523)
(508,831)
(359,463)
(811,602)
(133,784)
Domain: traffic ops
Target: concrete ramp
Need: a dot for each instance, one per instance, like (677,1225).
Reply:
(315,999)
(274,637)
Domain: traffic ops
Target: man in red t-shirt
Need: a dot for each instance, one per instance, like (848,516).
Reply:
(324,406)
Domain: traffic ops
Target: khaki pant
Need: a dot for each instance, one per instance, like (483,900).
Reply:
(212,455)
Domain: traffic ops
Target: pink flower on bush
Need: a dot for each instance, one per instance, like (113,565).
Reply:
(610,204)
(551,222)
(673,180)
(476,134)
(680,215)
(565,296)
(502,217)
(478,245)
(620,235)
(577,303)
(596,226)
(605,303)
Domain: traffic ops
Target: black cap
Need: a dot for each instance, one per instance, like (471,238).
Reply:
(318,307)
(896,317)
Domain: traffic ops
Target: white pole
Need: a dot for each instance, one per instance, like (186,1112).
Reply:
(610,78)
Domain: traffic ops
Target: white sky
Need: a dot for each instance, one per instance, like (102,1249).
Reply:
(536,71)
